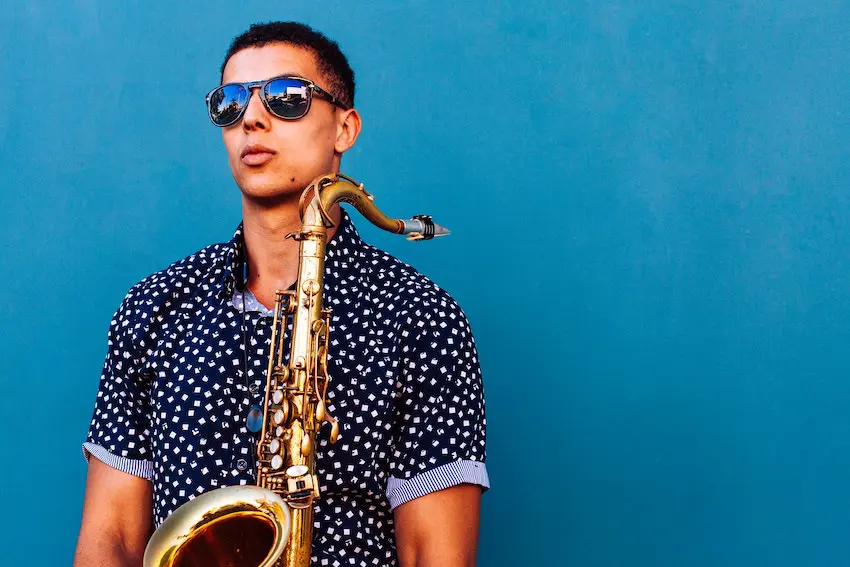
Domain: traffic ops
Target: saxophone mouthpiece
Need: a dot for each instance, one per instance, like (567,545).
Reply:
(421,227)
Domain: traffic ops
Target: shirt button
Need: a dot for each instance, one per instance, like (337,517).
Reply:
(254,388)
(241,464)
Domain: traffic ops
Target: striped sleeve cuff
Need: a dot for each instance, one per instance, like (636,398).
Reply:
(401,490)
(135,467)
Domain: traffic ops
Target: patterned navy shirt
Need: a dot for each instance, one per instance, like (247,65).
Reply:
(405,386)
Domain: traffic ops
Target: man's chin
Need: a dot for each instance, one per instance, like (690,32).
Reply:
(270,195)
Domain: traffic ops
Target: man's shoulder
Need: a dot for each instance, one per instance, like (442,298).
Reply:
(415,294)
(197,271)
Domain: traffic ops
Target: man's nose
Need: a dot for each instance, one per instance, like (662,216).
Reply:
(256,115)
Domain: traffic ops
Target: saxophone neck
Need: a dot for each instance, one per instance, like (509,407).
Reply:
(330,189)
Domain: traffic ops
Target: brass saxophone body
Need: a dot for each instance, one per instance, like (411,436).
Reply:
(271,524)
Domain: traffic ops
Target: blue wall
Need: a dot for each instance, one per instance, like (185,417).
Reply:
(651,241)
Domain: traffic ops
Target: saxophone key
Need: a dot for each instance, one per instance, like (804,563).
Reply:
(334,432)
(280,375)
(296,471)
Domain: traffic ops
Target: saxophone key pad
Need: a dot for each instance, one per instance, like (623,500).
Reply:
(296,470)
(277,462)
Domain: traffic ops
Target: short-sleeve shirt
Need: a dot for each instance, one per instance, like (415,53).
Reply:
(178,383)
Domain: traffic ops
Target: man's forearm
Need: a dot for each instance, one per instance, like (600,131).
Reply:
(438,559)
(117,518)
(105,551)
(439,529)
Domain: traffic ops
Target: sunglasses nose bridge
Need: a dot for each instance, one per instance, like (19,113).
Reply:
(252,115)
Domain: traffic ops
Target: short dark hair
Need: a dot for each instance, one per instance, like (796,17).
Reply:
(329,58)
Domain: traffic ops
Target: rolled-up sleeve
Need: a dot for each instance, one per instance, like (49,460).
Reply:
(440,426)
(119,434)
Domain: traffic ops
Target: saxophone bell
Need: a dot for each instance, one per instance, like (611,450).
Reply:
(234,525)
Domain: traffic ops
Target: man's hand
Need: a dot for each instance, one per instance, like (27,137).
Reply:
(439,529)
(117,518)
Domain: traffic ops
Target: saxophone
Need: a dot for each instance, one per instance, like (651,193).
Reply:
(271,524)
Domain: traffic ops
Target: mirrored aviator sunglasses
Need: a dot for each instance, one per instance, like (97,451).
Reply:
(288,98)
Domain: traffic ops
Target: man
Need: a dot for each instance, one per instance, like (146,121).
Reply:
(188,348)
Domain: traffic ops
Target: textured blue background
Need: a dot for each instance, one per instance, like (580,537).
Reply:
(650,210)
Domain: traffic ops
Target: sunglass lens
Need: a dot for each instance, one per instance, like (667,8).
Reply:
(288,98)
(226,104)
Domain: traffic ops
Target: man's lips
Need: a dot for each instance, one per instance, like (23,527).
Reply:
(256,154)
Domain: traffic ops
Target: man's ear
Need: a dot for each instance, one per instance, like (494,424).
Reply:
(348,130)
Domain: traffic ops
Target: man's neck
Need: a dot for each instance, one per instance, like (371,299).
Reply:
(273,258)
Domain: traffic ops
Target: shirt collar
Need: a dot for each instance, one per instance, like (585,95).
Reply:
(345,240)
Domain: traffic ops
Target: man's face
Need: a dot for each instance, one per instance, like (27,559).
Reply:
(299,150)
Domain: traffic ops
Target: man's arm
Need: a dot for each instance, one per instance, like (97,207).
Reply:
(440,528)
(117,518)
